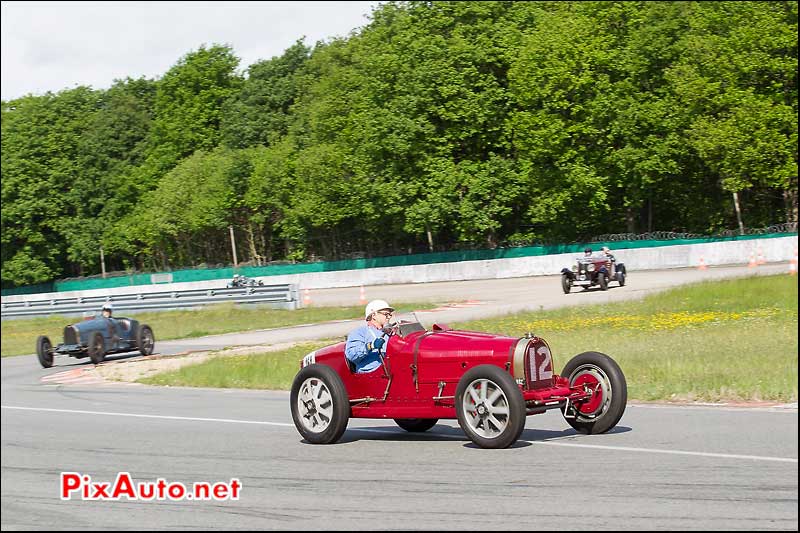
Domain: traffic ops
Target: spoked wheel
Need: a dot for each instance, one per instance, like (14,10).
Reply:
(416,425)
(97,348)
(320,407)
(44,351)
(602,280)
(566,283)
(621,278)
(490,407)
(598,373)
(145,340)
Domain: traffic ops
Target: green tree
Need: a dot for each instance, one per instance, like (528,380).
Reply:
(188,104)
(738,75)
(260,114)
(40,144)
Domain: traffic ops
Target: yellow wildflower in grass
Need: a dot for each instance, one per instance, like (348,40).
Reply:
(657,322)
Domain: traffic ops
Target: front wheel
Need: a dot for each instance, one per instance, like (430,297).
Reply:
(602,280)
(598,373)
(416,425)
(490,407)
(320,407)
(97,348)
(145,340)
(44,351)
(621,278)
(566,283)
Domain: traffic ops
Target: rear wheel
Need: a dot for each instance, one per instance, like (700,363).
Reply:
(145,340)
(320,407)
(97,348)
(566,283)
(490,407)
(416,425)
(596,372)
(44,351)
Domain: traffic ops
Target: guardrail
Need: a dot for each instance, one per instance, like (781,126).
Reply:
(287,295)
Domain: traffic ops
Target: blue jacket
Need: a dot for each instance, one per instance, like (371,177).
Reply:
(356,348)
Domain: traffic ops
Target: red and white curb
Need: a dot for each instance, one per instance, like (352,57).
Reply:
(79,376)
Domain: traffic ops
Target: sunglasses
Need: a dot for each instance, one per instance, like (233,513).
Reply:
(387,314)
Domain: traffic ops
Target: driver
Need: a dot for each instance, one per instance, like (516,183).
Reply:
(587,252)
(607,252)
(366,344)
(107,310)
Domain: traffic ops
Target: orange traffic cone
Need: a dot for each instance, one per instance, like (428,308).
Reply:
(702,265)
(752,262)
(362,298)
(760,260)
(306,297)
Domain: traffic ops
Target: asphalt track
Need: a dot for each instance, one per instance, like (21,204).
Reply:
(663,467)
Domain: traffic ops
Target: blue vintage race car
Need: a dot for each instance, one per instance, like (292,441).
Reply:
(97,337)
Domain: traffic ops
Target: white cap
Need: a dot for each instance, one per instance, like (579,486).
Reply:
(605,249)
(107,306)
(375,306)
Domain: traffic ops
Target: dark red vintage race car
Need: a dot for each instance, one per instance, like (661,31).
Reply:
(490,383)
(593,270)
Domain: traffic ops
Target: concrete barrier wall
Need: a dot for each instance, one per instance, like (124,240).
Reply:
(769,250)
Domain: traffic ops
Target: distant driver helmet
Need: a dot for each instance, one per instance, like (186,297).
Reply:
(587,251)
(108,307)
(376,305)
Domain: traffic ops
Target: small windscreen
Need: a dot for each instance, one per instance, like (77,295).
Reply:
(407,323)
(410,327)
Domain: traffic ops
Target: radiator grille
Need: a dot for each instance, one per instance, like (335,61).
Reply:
(70,335)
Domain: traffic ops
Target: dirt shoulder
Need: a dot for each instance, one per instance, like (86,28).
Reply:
(142,367)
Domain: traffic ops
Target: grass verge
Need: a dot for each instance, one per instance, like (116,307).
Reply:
(730,340)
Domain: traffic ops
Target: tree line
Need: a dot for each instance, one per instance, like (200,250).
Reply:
(436,125)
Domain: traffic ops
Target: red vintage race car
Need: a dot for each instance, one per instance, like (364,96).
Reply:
(489,383)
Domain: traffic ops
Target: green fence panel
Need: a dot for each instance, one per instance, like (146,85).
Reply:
(30,289)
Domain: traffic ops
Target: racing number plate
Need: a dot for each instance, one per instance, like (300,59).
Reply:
(540,368)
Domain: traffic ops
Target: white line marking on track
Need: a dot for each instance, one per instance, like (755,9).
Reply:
(137,415)
(673,452)
(616,448)
(392,431)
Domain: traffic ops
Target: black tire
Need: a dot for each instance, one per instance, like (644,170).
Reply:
(602,280)
(566,283)
(621,278)
(603,411)
(331,408)
(145,340)
(44,351)
(505,428)
(416,425)
(97,348)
